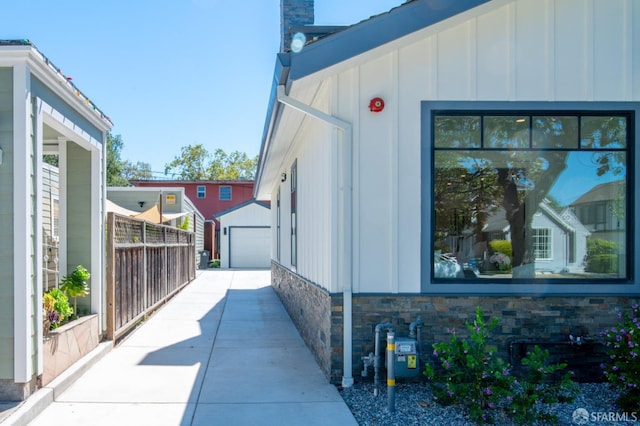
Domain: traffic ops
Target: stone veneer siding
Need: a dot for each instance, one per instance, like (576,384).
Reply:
(318,316)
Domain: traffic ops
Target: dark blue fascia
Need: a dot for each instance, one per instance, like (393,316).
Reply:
(375,32)
(241,205)
(280,76)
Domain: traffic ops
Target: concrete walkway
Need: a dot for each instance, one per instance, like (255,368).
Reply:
(222,352)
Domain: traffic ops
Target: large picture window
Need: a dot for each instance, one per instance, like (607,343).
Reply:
(531,195)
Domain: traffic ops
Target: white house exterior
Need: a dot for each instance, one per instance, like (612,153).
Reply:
(356,189)
(245,236)
(42,112)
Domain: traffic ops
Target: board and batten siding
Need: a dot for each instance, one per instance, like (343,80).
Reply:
(525,50)
(6,219)
(316,201)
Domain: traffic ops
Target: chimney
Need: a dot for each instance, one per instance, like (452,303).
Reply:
(293,13)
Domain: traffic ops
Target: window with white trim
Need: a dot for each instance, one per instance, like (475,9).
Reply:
(201,191)
(541,243)
(224,193)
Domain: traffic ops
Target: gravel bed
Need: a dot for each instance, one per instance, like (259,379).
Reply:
(415,406)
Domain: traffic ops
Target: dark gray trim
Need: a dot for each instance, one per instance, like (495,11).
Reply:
(516,288)
(241,205)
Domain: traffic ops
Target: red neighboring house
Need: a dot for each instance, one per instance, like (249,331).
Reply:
(210,197)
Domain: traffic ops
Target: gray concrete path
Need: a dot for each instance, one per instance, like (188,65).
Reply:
(222,352)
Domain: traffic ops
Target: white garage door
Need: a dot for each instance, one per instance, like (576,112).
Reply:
(250,247)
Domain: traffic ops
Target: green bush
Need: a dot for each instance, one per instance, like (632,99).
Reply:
(75,284)
(623,368)
(501,246)
(602,263)
(596,246)
(471,375)
(536,390)
(214,263)
(56,307)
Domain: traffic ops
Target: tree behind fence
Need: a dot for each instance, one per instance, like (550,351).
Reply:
(146,264)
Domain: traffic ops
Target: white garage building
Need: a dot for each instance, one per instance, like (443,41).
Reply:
(245,236)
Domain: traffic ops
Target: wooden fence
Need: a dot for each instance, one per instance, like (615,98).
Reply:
(146,265)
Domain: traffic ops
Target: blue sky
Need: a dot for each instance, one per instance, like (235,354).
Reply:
(171,73)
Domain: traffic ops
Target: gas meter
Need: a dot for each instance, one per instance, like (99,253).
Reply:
(406,358)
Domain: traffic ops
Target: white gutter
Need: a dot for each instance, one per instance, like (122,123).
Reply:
(344,226)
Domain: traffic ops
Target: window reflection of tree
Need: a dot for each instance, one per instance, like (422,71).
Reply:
(512,161)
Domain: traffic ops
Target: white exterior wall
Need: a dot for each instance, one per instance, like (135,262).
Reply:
(534,50)
(316,203)
(249,215)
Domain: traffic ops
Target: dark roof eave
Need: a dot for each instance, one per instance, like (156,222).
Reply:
(280,77)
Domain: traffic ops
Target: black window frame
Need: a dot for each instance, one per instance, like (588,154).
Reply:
(429,284)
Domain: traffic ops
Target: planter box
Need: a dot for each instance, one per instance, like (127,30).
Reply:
(67,344)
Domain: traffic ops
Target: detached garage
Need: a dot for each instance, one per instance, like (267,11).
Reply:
(245,236)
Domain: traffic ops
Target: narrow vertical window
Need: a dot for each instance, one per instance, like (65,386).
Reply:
(201,191)
(294,218)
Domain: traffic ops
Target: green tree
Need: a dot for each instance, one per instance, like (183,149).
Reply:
(114,162)
(196,163)
(138,171)
(234,166)
(191,164)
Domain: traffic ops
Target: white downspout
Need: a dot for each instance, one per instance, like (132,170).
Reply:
(345,224)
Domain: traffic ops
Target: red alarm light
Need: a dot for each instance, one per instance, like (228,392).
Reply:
(376,105)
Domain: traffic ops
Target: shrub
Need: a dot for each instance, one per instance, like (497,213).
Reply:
(536,390)
(597,246)
(75,284)
(502,253)
(602,263)
(470,374)
(623,367)
(56,307)
(501,246)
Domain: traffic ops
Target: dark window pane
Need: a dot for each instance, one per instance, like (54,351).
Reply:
(457,132)
(603,132)
(555,132)
(506,132)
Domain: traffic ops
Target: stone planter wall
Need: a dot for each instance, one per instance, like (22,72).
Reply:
(67,344)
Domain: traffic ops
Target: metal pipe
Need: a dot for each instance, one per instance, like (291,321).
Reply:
(345,224)
(377,359)
(417,325)
(391,372)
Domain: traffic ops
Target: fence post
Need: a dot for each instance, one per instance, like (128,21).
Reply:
(111,271)
(145,267)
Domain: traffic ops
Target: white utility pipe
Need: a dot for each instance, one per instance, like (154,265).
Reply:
(345,223)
